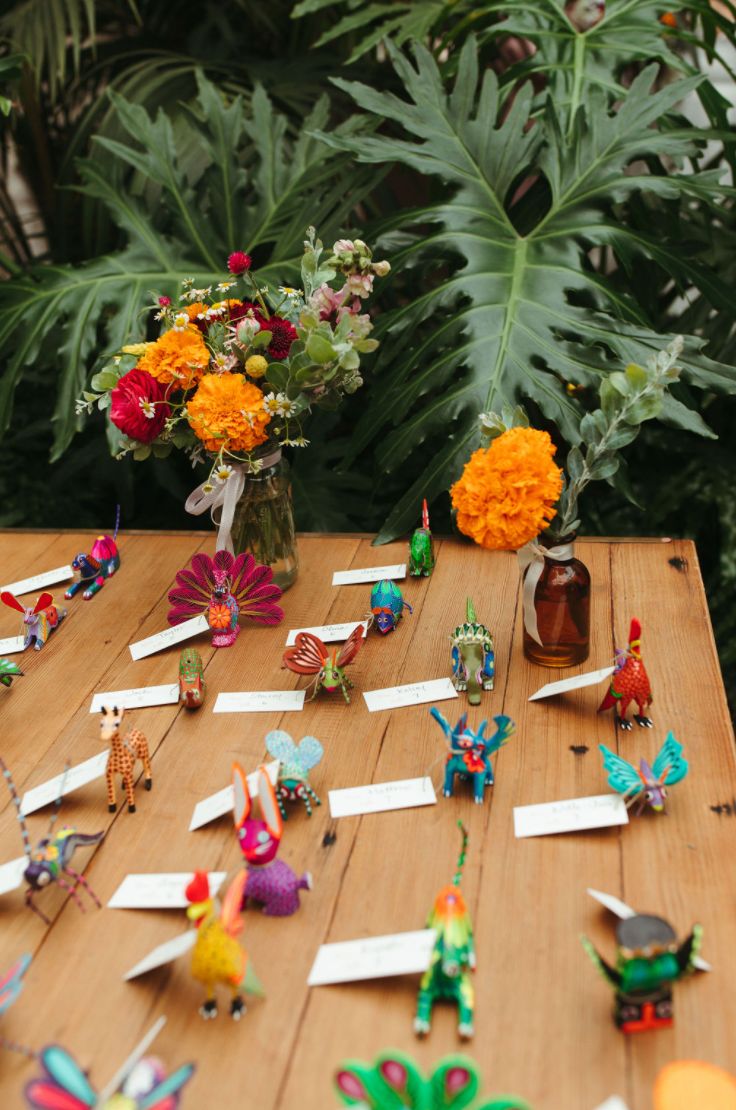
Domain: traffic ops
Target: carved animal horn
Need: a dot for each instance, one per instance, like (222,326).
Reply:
(43,602)
(11,601)
(425,514)
(470,611)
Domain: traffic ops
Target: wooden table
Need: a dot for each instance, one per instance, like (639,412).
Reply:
(543,1024)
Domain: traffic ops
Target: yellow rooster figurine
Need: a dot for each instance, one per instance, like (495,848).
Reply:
(218,956)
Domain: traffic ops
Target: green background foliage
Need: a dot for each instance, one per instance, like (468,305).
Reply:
(550,213)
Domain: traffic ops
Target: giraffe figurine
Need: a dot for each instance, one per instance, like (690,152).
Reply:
(123,755)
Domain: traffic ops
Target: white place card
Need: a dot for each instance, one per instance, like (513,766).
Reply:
(12,645)
(368,574)
(217,805)
(11,874)
(173,635)
(571,815)
(620,909)
(372,958)
(260,701)
(139,698)
(328,633)
(415,693)
(164,891)
(613,1103)
(38,581)
(577,682)
(164,953)
(72,779)
(381,796)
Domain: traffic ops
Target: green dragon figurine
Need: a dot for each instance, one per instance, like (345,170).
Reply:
(394,1082)
(421,555)
(453,955)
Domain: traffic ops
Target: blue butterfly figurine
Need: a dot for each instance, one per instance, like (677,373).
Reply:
(647,784)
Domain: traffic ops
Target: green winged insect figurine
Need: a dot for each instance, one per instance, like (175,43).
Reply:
(9,671)
(648,961)
(295,763)
(387,605)
(394,1082)
(473,660)
(453,955)
(421,553)
(311,656)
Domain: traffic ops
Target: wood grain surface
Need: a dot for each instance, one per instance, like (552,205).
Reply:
(543,1016)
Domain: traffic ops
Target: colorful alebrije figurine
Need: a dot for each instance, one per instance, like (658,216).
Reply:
(270,881)
(473,666)
(453,955)
(387,605)
(218,956)
(395,1081)
(101,563)
(192,686)
(295,763)
(38,622)
(11,985)
(648,961)
(629,683)
(123,756)
(141,1084)
(469,752)
(421,555)
(51,858)
(647,785)
(9,671)
(224,589)
(311,656)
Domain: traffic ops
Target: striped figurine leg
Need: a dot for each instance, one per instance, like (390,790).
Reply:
(65,886)
(32,906)
(425,1001)
(79,878)
(465,1006)
(311,794)
(110,781)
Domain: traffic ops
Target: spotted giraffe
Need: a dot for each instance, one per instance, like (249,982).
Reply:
(123,755)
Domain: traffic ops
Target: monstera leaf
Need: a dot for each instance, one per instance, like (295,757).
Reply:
(501,299)
(229,177)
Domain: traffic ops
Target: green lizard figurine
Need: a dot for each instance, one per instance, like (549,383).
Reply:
(421,555)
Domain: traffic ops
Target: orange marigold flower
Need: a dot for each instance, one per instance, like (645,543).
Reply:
(227,411)
(193,310)
(507,493)
(177,357)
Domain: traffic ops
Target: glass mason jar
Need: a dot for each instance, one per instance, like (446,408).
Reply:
(562,605)
(263,523)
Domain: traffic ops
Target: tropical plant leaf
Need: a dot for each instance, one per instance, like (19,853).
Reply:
(184,196)
(515,314)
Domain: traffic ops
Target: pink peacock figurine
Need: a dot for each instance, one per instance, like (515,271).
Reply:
(224,589)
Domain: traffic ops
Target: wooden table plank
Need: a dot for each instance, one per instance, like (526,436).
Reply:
(543,1015)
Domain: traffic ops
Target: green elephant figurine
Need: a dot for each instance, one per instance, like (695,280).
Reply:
(473,664)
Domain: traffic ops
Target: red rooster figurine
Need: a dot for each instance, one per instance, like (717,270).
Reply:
(630,682)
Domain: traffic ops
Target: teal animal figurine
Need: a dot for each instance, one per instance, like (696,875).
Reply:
(8,671)
(295,763)
(453,956)
(387,605)
(421,555)
(469,752)
(646,785)
(473,661)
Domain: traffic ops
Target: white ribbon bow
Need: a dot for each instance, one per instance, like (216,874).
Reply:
(532,556)
(225,495)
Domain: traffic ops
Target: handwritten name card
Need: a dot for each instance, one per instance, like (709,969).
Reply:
(260,701)
(572,815)
(368,574)
(372,958)
(139,698)
(381,796)
(39,581)
(168,637)
(415,693)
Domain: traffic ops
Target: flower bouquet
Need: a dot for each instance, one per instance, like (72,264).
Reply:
(231,381)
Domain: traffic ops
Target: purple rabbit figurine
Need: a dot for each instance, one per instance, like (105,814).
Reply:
(270,880)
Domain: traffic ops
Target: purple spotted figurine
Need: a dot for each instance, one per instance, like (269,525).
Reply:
(270,880)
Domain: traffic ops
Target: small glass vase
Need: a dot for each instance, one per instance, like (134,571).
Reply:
(263,523)
(562,605)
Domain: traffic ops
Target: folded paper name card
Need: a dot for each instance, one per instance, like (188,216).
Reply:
(39,581)
(379,797)
(169,636)
(328,633)
(414,693)
(571,815)
(577,682)
(261,701)
(69,780)
(12,645)
(372,958)
(139,698)
(368,574)
(163,891)
(217,805)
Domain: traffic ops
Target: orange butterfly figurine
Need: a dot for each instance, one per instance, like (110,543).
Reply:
(311,656)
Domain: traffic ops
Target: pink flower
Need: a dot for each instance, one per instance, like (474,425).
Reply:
(343,246)
(238,262)
(164,301)
(326,301)
(139,406)
(359,285)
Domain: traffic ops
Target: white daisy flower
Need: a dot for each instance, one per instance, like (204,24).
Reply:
(222,472)
(285,407)
(224,286)
(181,321)
(272,403)
(147,407)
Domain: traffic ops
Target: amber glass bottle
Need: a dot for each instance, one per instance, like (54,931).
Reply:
(562,604)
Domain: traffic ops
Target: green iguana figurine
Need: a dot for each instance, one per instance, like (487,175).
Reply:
(421,555)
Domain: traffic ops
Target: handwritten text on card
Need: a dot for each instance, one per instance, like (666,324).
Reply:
(64,783)
(38,581)
(572,815)
(260,701)
(139,698)
(328,632)
(368,574)
(159,892)
(372,958)
(381,796)
(415,693)
(169,636)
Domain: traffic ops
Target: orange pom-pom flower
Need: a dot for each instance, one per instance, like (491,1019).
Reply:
(177,358)
(508,492)
(227,411)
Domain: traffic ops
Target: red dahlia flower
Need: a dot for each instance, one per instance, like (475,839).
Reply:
(136,395)
(238,262)
(283,333)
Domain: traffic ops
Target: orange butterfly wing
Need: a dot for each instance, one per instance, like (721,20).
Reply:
(351,647)
(308,654)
